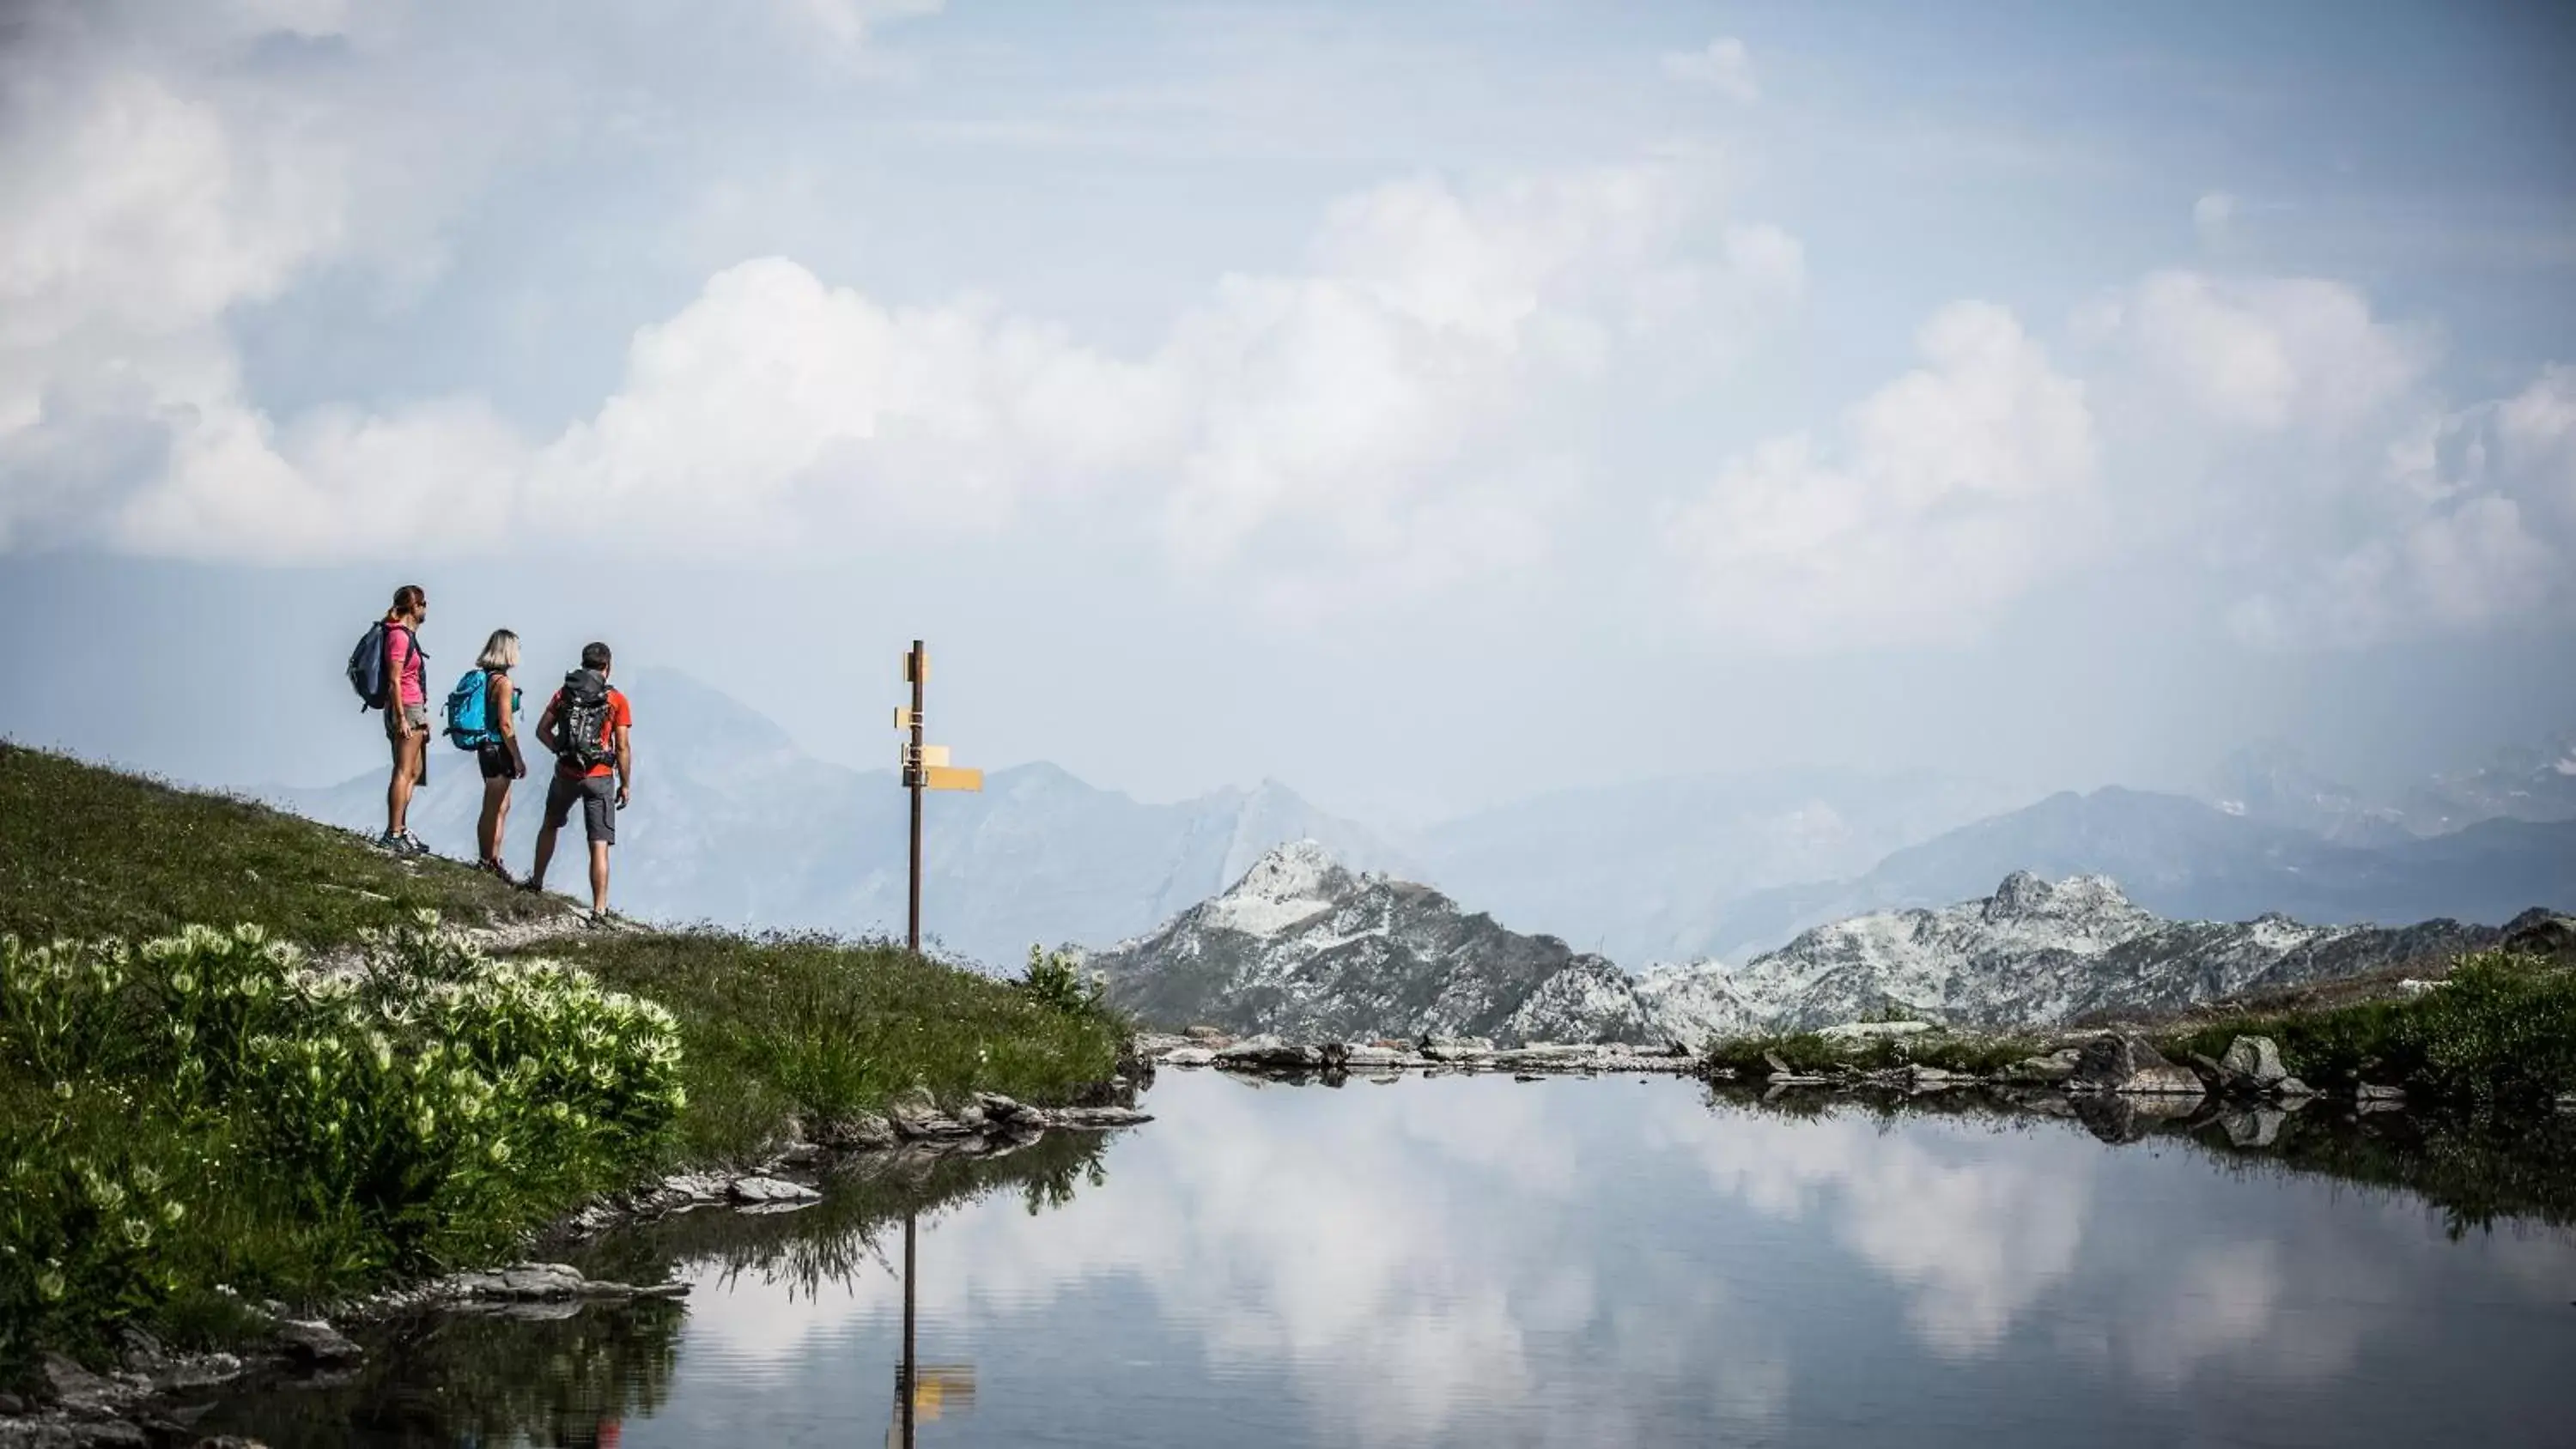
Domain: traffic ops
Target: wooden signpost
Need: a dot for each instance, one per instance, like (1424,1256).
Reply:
(925,767)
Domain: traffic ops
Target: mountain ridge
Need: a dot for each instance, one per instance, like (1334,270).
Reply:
(2190,860)
(1303,947)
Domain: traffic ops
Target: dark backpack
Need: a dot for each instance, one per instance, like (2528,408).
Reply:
(367,664)
(581,728)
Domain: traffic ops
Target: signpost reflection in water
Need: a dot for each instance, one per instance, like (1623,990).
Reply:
(922,1391)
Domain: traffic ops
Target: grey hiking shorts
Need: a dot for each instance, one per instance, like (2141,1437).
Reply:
(598,797)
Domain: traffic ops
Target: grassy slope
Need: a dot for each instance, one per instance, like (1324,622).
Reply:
(812,1026)
(770,1028)
(2501,1029)
(88,852)
(823,1029)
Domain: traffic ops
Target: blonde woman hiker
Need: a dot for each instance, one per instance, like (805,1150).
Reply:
(483,716)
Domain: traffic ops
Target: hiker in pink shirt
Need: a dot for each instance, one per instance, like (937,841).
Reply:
(406,714)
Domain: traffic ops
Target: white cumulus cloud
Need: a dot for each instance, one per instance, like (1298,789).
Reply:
(1375,421)
(1934,502)
(2260,354)
(2270,446)
(2469,525)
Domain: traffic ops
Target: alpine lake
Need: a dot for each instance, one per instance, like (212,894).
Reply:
(1473,1260)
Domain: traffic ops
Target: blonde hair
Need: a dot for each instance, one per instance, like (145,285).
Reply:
(501,651)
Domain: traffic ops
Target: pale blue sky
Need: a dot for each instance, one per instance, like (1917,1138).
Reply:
(1382,398)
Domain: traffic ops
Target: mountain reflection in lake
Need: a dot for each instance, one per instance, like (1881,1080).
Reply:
(1474,1261)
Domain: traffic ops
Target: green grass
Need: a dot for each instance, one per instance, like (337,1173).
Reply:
(823,1030)
(203,1111)
(87,852)
(2501,1030)
(1811,1054)
(98,1094)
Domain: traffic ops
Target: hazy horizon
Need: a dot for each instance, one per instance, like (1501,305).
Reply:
(1426,409)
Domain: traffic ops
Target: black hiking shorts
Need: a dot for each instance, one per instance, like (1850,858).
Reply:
(598,797)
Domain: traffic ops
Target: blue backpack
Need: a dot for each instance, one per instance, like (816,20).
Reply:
(469,709)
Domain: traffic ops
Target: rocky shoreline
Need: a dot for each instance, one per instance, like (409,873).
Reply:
(2092,1064)
(2110,1062)
(150,1398)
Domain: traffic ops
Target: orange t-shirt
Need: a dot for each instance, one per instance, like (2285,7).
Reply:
(620,716)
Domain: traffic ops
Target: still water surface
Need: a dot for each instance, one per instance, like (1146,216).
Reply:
(1474,1261)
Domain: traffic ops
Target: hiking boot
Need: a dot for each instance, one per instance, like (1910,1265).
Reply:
(499,872)
(412,845)
(598,921)
(392,844)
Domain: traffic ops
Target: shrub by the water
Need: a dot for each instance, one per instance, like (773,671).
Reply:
(208,1109)
(1054,980)
(1813,1052)
(2500,1029)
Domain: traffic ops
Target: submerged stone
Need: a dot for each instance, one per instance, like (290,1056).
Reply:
(772,1189)
(314,1341)
(2118,1062)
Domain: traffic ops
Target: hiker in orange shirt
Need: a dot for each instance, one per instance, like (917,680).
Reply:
(586,725)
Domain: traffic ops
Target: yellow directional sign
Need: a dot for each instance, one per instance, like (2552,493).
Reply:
(943,777)
(940,1386)
(902,718)
(923,660)
(933,756)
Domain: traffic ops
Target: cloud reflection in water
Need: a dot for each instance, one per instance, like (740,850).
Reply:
(1591,1262)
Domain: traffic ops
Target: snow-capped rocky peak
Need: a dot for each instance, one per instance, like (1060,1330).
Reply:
(1291,884)
(2076,899)
(2035,953)
(1304,948)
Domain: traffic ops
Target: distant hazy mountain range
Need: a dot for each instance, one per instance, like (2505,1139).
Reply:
(1649,870)
(2273,783)
(2032,953)
(2191,861)
(1310,951)
(734,824)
